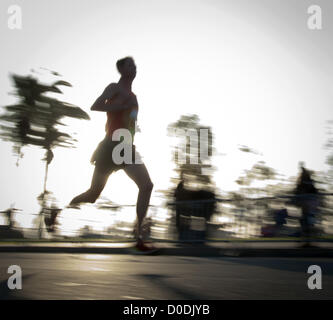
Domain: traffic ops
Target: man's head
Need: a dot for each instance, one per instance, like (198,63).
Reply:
(127,67)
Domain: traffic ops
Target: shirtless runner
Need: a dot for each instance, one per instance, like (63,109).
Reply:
(121,107)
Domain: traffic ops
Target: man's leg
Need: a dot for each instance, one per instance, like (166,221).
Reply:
(98,182)
(139,174)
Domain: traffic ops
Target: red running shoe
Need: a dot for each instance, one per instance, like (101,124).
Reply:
(144,248)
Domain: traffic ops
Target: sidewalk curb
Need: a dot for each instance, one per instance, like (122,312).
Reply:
(193,251)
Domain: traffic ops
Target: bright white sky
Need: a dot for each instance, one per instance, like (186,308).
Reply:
(250,69)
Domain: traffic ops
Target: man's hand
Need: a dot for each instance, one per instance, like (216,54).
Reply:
(110,95)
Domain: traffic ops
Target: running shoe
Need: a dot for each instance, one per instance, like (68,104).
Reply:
(144,248)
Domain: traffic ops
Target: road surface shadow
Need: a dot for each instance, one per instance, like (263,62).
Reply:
(286,264)
(162,283)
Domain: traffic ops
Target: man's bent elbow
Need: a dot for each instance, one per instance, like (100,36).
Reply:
(95,108)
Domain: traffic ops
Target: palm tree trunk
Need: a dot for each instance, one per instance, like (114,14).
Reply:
(41,213)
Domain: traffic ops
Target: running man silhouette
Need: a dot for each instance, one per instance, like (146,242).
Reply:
(121,107)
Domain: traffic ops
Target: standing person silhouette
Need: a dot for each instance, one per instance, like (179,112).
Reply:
(121,107)
(308,202)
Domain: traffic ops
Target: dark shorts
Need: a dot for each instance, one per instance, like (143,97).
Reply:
(102,156)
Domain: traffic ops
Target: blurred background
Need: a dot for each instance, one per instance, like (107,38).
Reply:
(252,74)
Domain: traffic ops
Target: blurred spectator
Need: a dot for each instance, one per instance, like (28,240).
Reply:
(184,211)
(50,217)
(279,217)
(9,216)
(307,200)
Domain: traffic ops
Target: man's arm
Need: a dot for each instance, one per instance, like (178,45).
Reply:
(110,100)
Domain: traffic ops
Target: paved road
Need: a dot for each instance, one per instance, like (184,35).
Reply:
(91,276)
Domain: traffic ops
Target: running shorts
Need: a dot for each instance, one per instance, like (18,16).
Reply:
(102,156)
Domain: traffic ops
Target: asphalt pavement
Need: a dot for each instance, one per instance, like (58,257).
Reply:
(131,277)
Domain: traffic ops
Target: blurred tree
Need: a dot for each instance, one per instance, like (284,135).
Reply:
(325,179)
(247,149)
(259,171)
(190,164)
(329,160)
(35,119)
(251,211)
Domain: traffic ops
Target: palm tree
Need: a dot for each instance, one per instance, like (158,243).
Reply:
(35,120)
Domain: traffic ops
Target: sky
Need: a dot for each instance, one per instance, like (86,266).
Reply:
(252,70)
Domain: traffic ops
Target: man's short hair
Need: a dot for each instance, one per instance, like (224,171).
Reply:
(120,63)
